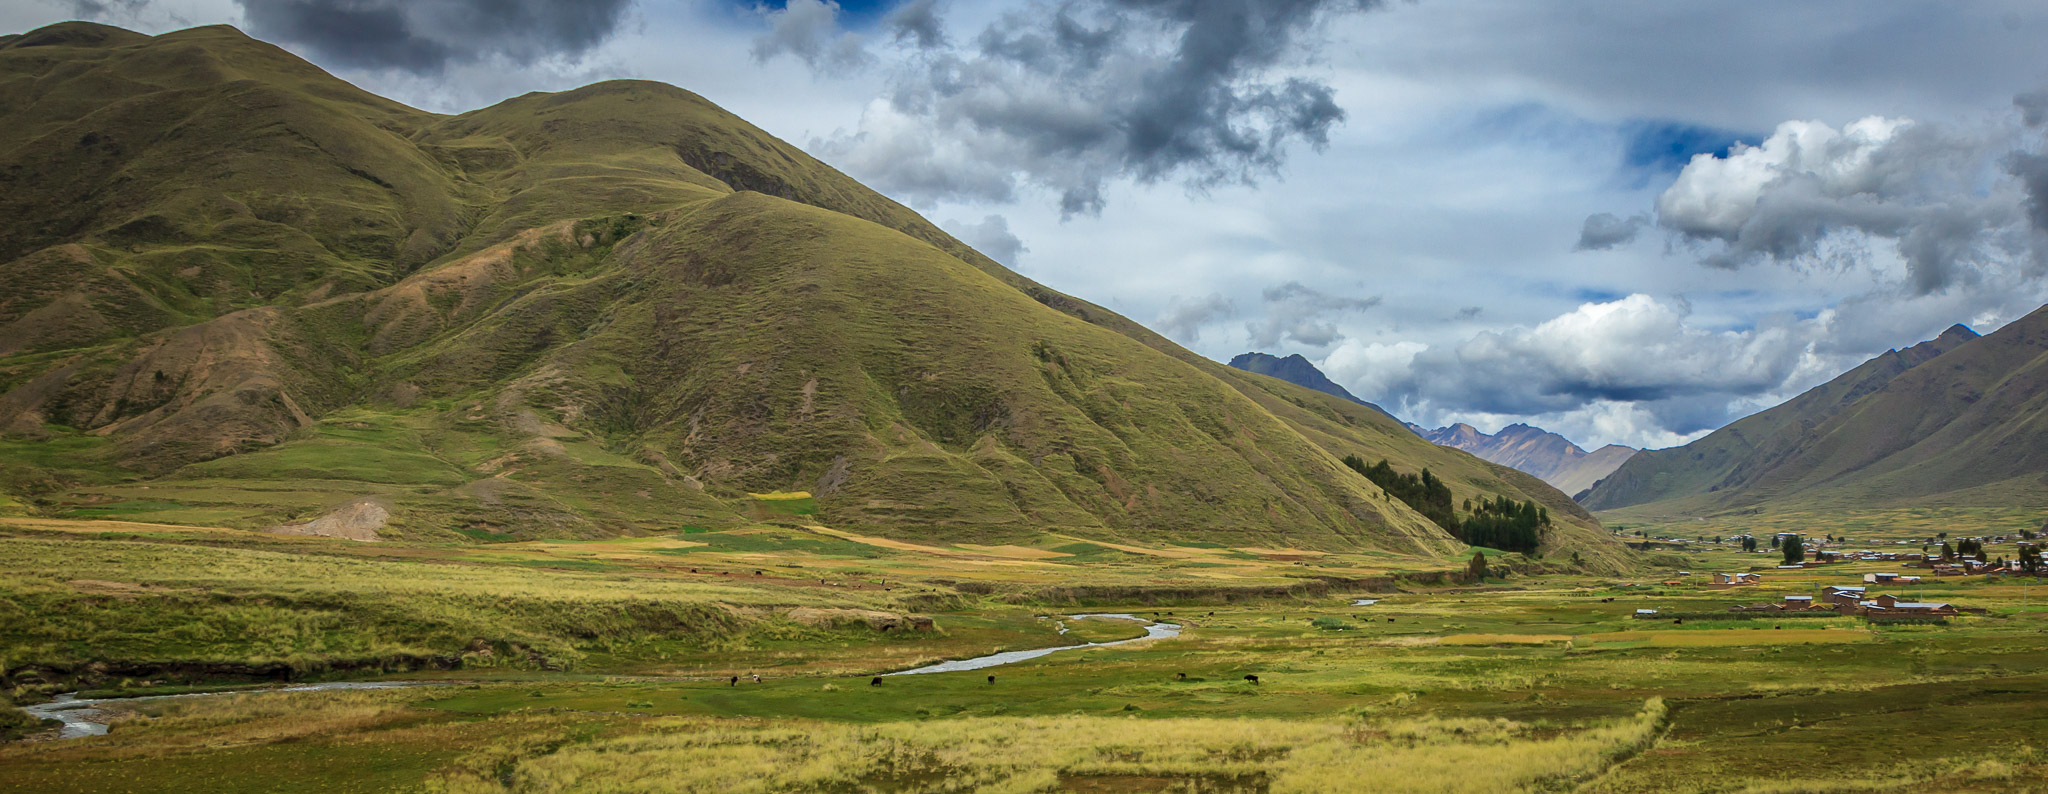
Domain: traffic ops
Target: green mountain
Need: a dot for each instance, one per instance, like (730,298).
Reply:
(239,291)
(1958,420)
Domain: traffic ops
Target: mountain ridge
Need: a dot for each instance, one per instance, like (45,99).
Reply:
(606,310)
(1920,425)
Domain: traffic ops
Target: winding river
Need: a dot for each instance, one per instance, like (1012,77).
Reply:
(81,717)
(1153,630)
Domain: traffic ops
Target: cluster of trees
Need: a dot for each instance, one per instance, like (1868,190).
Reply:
(1749,543)
(1504,523)
(1795,549)
(2030,559)
(1499,523)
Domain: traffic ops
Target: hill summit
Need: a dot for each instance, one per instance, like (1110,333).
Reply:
(238,290)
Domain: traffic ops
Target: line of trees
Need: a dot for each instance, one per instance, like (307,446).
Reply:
(1499,523)
(1423,492)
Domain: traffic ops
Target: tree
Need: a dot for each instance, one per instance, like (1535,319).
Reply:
(1476,570)
(1774,541)
(1948,553)
(1795,551)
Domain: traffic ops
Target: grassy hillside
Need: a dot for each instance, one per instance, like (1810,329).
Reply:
(1959,421)
(273,299)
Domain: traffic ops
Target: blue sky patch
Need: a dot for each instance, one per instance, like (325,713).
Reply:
(1664,147)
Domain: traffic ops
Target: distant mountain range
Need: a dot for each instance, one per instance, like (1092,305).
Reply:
(1957,420)
(1549,456)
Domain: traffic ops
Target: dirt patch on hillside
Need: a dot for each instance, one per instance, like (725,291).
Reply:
(358,520)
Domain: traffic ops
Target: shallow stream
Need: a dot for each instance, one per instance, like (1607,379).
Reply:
(1153,630)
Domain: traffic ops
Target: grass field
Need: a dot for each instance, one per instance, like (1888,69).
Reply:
(606,665)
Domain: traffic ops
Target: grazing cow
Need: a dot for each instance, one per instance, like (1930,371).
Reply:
(876,682)
(991,679)
(735,681)
(758,573)
(757,677)
(1390,620)
(1677,620)
(1180,676)
(1252,678)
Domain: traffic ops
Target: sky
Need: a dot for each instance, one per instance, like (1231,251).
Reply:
(1624,222)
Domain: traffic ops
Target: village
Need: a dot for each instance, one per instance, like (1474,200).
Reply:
(1877,599)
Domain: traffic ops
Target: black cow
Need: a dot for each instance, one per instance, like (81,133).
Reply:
(1252,678)
(991,679)
(876,682)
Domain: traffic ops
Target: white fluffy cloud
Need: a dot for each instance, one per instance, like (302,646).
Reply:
(1951,204)
(1632,371)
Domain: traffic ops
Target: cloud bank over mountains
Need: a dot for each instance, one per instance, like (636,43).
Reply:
(426,36)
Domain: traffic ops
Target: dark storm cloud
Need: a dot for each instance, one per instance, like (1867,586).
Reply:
(1603,231)
(2033,107)
(917,22)
(809,31)
(106,9)
(1073,97)
(426,36)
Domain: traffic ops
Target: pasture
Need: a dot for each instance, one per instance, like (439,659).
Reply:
(570,666)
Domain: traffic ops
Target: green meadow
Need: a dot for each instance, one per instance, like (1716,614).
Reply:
(609,664)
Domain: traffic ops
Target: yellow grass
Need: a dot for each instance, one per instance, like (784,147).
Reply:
(1504,639)
(1002,755)
(1758,636)
(98,526)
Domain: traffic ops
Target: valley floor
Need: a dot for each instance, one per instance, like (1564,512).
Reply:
(608,666)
